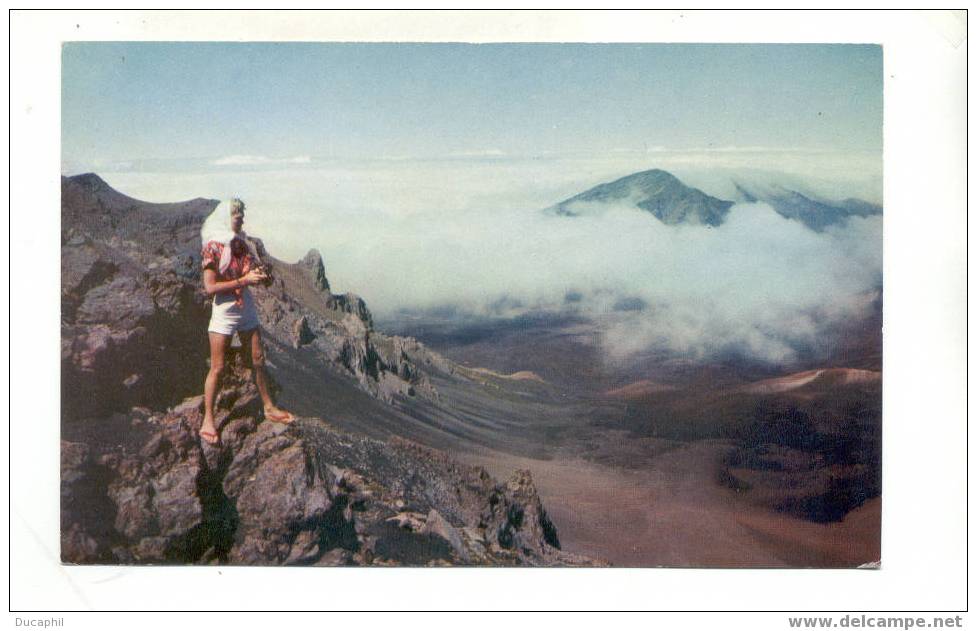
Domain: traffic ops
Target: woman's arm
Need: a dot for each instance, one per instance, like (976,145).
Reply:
(212,286)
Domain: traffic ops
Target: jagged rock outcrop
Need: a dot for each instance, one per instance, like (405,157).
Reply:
(148,491)
(352,304)
(317,270)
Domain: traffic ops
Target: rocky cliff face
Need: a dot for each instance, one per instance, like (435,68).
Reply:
(139,487)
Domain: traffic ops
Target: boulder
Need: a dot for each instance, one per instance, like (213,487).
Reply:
(439,526)
(283,500)
(301,333)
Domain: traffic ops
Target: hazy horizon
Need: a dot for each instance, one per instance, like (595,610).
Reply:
(265,104)
(420,170)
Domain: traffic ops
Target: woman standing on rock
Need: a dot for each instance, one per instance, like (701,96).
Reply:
(230,265)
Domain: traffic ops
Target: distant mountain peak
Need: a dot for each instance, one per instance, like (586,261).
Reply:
(656,191)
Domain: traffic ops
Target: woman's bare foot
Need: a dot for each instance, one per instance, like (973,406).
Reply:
(209,433)
(278,415)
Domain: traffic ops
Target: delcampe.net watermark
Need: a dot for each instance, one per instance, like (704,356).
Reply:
(863,621)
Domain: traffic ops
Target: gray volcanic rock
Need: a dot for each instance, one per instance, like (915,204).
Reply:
(658,192)
(300,494)
(301,333)
(279,492)
(85,535)
(317,269)
(517,518)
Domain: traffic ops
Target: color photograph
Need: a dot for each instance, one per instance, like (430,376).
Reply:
(449,304)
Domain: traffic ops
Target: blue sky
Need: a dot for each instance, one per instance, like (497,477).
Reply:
(420,170)
(187,102)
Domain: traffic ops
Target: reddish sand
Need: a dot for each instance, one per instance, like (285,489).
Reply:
(522,375)
(675,514)
(825,376)
(638,389)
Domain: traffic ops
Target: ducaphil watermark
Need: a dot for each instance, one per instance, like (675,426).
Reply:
(42,623)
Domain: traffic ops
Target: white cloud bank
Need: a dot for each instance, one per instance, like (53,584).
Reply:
(424,235)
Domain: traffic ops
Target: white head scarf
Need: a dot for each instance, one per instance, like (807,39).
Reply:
(217,228)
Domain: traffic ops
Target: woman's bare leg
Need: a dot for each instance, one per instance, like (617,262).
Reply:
(218,349)
(251,343)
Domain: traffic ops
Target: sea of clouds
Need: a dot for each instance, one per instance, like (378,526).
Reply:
(471,234)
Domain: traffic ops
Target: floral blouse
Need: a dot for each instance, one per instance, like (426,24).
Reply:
(241,263)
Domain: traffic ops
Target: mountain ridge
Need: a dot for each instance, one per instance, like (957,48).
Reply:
(672,202)
(658,192)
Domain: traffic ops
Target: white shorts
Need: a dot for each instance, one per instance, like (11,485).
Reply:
(227,318)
